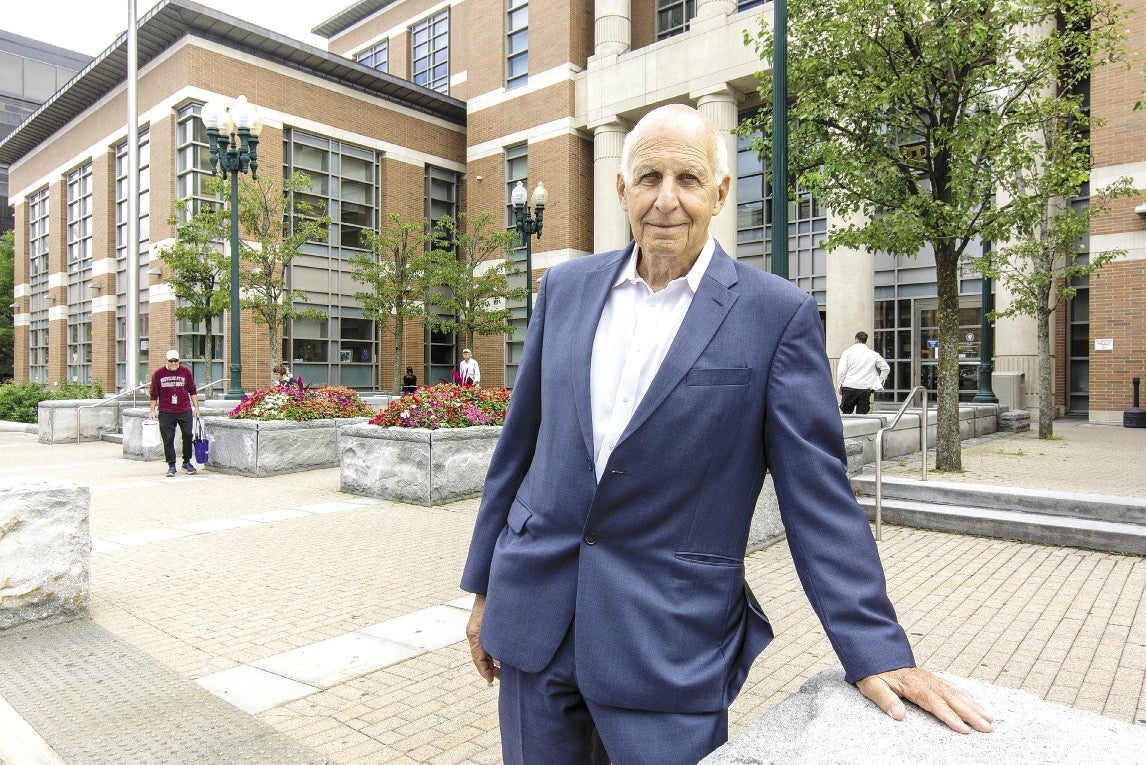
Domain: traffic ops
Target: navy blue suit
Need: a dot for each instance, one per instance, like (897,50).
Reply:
(650,560)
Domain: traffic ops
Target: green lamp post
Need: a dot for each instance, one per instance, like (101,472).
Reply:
(233,137)
(527,226)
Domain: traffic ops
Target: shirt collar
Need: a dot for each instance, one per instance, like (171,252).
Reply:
(629,272)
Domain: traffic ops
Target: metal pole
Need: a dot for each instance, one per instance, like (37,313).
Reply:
(780,138)
(986,395)
(131,285)
(528,278)
(235,391)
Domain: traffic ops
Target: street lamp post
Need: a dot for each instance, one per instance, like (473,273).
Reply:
(233,137)
(528,226)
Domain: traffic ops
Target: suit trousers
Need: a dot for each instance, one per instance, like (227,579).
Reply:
(545,721)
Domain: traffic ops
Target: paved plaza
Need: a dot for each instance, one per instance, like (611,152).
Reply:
(327,628)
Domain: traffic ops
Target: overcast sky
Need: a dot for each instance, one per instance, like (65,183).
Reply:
(90,26)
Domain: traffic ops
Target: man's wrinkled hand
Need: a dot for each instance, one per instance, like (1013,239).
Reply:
(486,666)
(953,706)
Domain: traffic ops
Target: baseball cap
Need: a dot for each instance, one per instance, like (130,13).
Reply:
(465,350)
(173,355)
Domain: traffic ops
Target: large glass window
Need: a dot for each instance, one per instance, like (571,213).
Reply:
(341,349)
(673,17)
(144,278)
(441,347)
(807,226)
(38,347)
(430,52)
(196,341)
(80,347)
(516,43)
(377,56)
(79,187)
(38,236)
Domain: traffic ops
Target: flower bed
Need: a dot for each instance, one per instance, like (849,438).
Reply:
(434,445)
(446,406)
(279,402)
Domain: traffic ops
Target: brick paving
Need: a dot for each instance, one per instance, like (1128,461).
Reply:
(1064,624)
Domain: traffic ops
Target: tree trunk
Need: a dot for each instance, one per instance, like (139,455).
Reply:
(1046,370)
(399,338)
(948,446)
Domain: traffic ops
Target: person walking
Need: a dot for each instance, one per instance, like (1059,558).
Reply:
(468,369)
(174,394)
(861,370)
(607,557)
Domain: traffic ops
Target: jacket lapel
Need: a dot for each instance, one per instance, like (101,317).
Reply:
(711,303)
(593,291)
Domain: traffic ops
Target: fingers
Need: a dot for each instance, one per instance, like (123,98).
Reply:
(486,666)
(953,706)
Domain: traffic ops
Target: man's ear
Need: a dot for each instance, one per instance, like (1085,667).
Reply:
(721,195)
(621,191)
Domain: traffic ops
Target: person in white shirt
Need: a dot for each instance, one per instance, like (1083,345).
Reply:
(861,371)
(468,370)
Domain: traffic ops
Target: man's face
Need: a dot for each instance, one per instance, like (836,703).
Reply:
(673,192)
(172,363)
(465,357)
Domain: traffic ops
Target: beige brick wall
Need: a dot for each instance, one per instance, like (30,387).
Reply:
(1117,311)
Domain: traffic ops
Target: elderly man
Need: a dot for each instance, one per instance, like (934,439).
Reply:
(658,385)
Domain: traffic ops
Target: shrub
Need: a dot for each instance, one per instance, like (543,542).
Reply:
(19,402)
(279,402)
(446,406)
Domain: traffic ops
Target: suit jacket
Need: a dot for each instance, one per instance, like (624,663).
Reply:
(648,565)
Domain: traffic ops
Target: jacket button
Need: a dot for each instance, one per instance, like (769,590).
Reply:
(590,538)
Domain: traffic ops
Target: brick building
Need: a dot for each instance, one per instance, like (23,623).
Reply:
(449,105)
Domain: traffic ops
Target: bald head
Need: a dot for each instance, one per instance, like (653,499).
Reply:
(686,121)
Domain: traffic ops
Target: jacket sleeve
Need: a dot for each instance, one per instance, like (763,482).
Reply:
(828,534)
(513,453)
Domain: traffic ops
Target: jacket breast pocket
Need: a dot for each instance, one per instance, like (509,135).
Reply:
(710,376)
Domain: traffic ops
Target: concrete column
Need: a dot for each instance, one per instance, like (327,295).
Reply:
(1017,349)
(850,296)
(612,27)
(610,223)
(720,107)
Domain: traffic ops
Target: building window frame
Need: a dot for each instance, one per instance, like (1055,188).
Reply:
(516,169)
(376,56)
(430,52)
(673,17)
(516,43)
(79,218)
(38,230)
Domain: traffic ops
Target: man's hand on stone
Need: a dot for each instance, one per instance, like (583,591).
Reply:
(486,666)
(953,706)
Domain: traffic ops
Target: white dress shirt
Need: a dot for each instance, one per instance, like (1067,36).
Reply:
(469,370)
(637,327)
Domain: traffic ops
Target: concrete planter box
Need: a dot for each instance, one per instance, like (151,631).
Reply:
(260,448)
(70,421)
(132,427)
(415,465)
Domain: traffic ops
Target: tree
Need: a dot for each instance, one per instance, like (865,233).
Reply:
(200,277)
(1042,267)
(7,280)
(910,115)
(397,273)
(281,223)
(471,264)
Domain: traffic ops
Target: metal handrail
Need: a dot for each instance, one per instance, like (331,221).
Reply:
(879,452)
(211,385)
(103,402)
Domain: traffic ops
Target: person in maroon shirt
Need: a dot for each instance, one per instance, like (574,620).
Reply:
(174,393)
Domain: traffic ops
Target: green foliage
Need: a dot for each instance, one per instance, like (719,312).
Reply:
(281,220)
(396,273)
(908,118)
(471,263)
(7,278)
(19,401)
(200,276)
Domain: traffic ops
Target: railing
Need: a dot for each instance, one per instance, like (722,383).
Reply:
(211,385)
(106,401)
(879,452)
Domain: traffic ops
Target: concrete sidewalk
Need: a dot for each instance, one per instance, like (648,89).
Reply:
(307,625)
